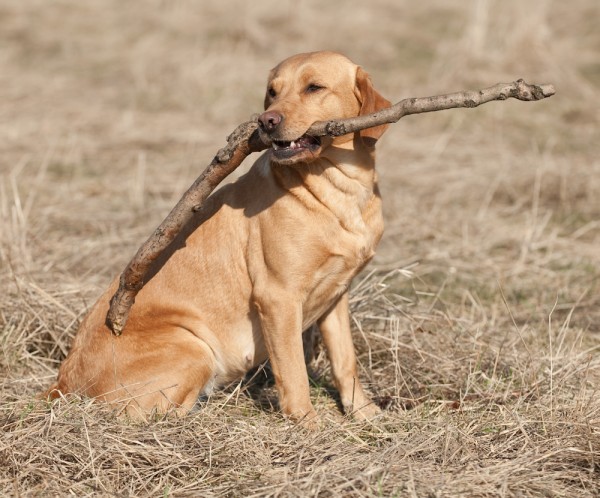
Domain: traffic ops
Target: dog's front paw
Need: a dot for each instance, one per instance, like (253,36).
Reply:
(366,411)
(309,420)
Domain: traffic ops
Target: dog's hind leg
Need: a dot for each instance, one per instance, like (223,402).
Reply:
(171,377)
(166,370)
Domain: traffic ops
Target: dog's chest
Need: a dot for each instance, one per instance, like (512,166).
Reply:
(315,235)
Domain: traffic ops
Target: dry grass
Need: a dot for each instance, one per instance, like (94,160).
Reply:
(477,326)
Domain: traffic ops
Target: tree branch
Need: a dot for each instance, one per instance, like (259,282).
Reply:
(246,139)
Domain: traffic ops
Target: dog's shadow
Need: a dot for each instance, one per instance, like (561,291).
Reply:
(259,386)
(259,383)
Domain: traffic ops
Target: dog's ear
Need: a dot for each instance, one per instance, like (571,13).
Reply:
(370,101)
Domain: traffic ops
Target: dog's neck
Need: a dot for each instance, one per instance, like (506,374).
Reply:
(341,172)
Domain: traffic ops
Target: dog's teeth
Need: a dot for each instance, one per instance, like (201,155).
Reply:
(292,144)
(275,146)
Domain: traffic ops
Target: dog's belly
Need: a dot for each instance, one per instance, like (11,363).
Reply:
(239,349)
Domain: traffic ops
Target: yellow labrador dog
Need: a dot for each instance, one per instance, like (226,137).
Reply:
(266,258)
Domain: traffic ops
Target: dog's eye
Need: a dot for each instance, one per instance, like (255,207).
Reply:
(272,92)
(313,87)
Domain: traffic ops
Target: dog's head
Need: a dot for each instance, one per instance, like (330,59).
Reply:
(317,86)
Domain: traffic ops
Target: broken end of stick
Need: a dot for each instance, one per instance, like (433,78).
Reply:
(527,92)
(115,327)
(540,92)
(547,90)
(115,320)
(118,312)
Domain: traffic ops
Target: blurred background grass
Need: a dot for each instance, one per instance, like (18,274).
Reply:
(111,109)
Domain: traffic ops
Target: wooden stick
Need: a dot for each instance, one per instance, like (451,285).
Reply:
(246,139)
(470,99)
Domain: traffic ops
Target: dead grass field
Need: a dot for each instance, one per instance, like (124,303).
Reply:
(477,326)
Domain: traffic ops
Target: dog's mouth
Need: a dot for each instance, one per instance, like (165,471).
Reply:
(283,149)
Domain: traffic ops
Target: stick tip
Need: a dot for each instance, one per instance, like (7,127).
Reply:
(114,325)
(548,90)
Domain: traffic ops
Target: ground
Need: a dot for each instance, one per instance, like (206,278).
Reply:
(477,324)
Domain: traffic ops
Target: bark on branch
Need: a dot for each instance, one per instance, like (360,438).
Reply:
(246,139)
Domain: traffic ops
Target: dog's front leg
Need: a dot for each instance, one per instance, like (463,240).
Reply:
(281,321)
(335,329)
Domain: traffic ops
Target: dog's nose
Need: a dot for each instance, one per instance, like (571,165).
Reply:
(269,120)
